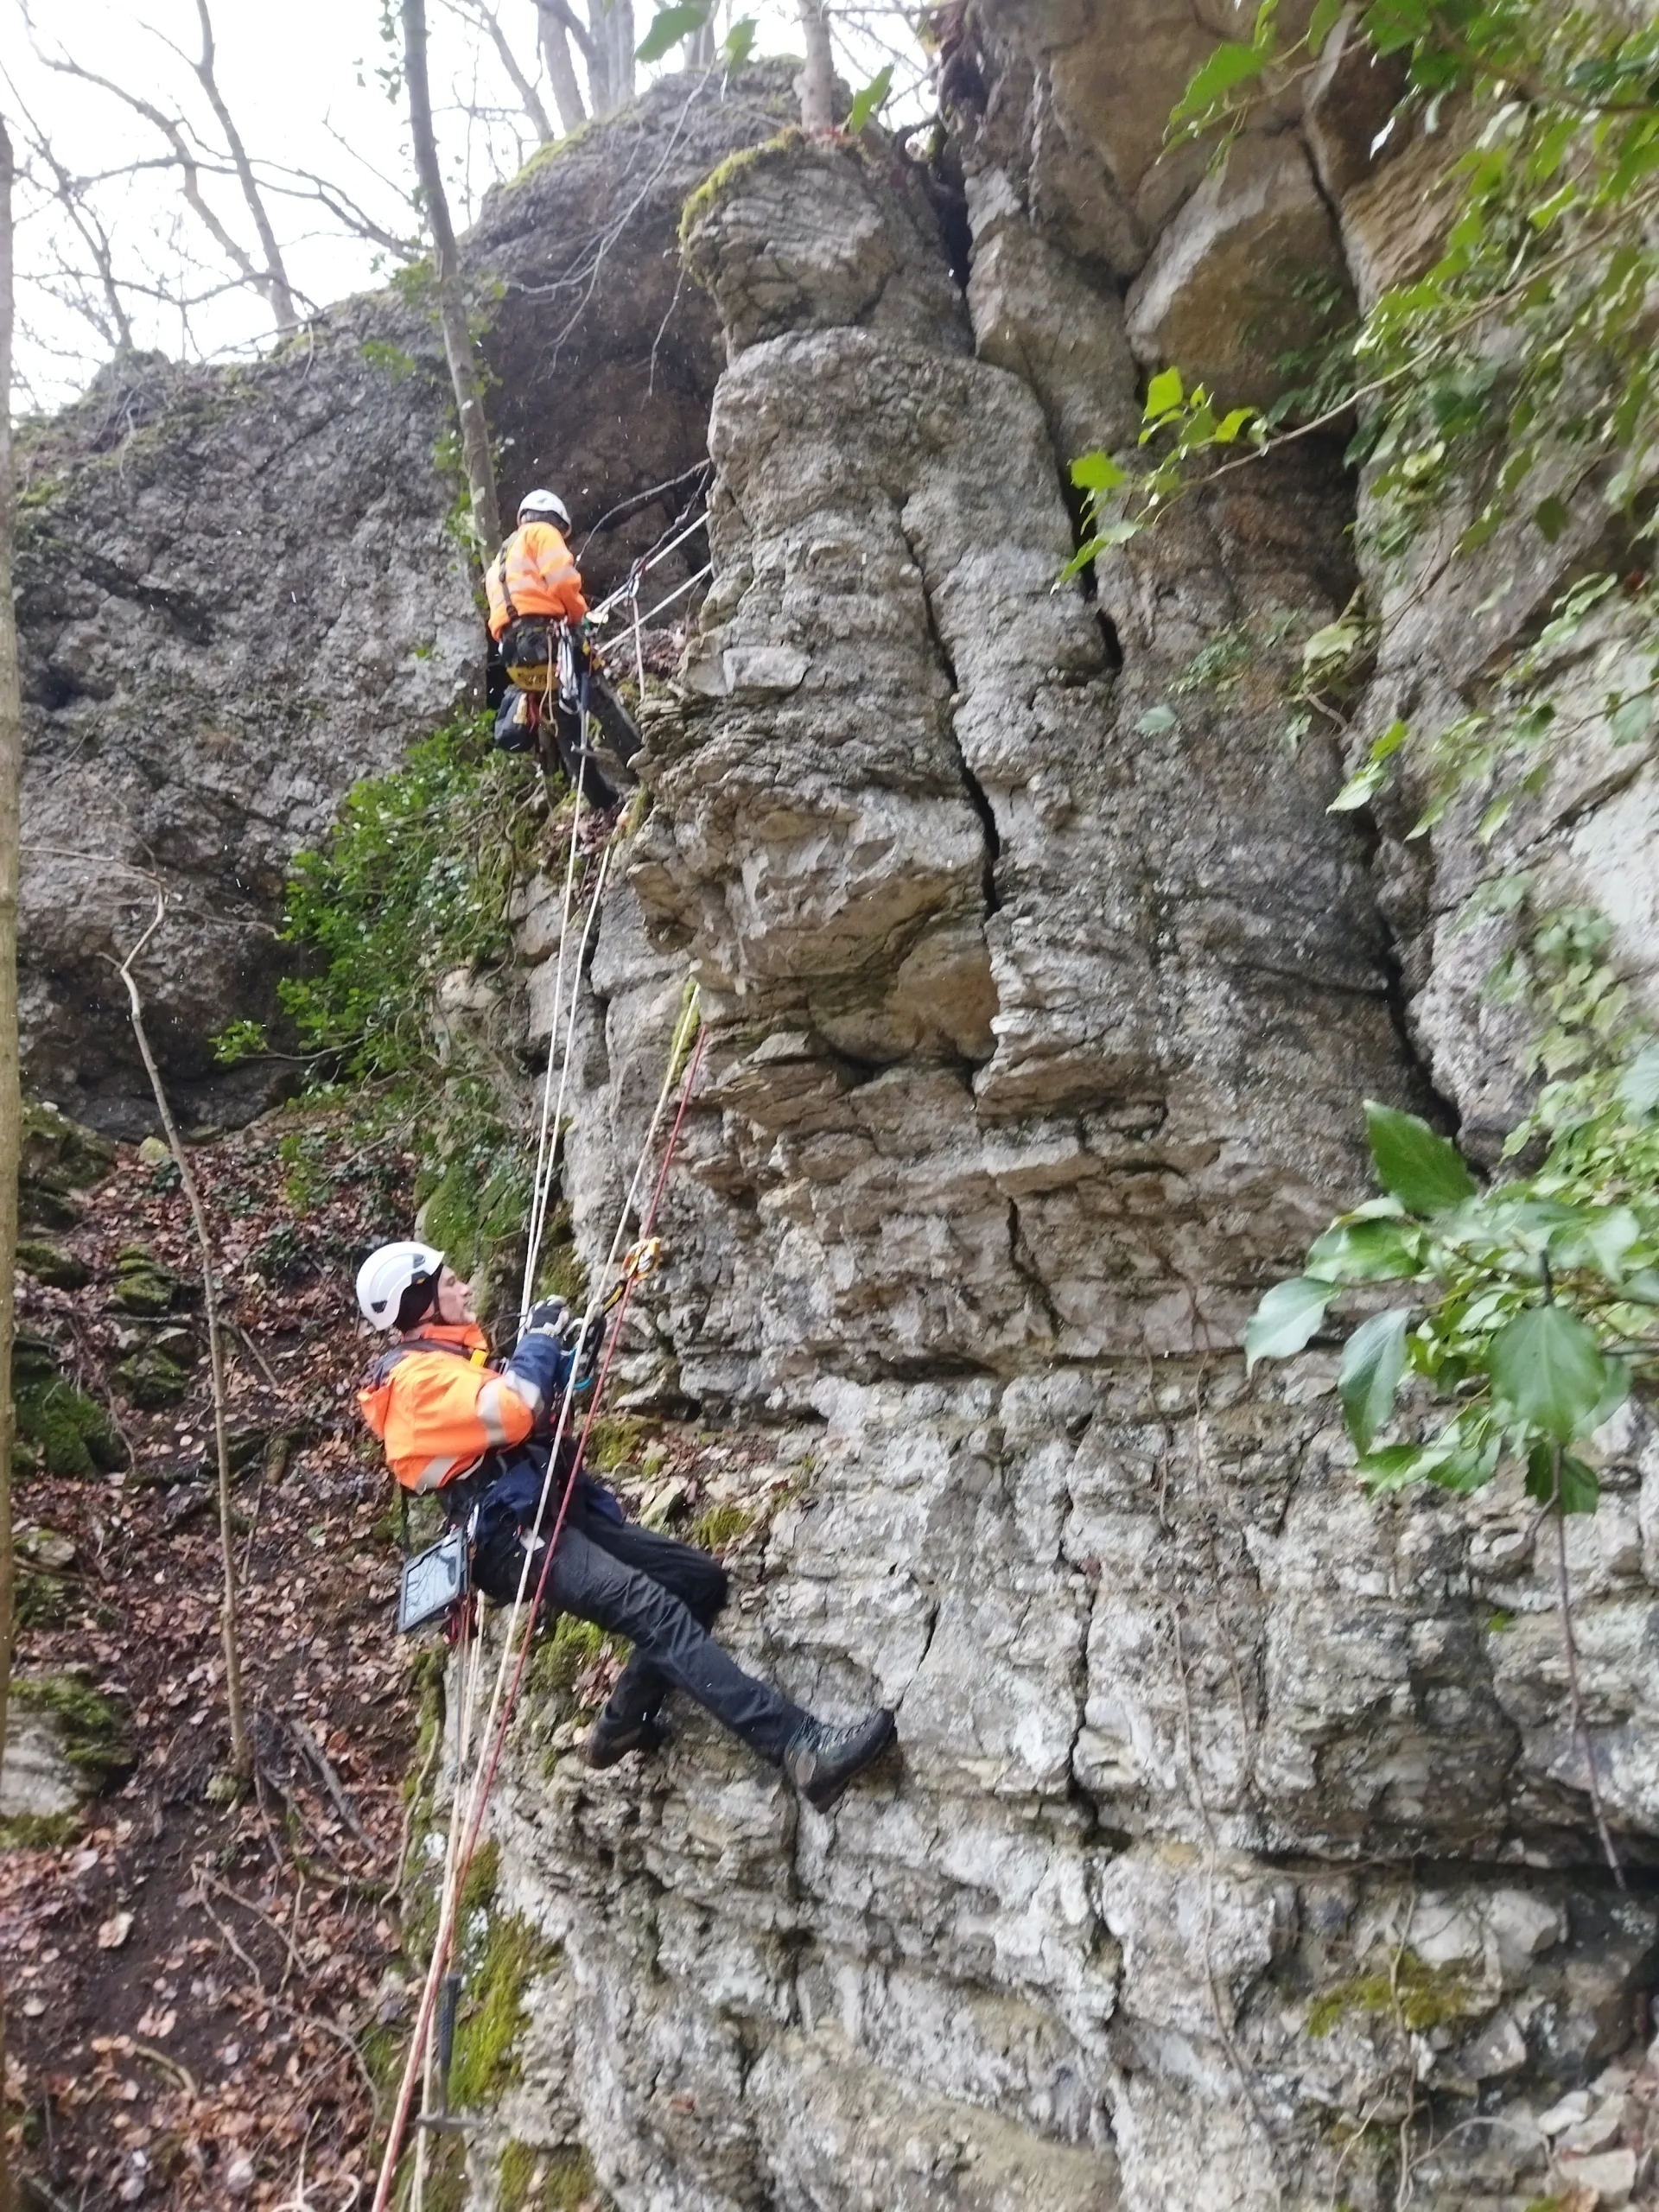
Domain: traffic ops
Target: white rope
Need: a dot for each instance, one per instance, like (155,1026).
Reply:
(684,1028)
(601,612)
(471,1656)
(707,569)
(537,1185)
(547,1157)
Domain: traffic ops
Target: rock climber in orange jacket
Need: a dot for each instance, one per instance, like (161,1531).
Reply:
(534,572)
(535,601)
(476,1434)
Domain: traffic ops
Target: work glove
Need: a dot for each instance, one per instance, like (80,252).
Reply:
(548,1317)
(584,1341)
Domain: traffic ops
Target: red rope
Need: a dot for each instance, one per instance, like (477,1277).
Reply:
(446,1932)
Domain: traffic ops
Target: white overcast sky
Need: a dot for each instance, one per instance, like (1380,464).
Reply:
(302,80)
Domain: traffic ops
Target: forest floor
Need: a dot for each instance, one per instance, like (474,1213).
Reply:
(194,1980)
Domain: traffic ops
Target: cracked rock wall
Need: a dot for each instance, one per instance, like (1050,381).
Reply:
(1043,993)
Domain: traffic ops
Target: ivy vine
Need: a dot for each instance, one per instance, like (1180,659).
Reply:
(1512,382)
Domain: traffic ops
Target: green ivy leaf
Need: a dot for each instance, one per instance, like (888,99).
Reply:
(1548,1370)
(1155,720)
(1164,395)
(1394,1467)
(1638,1088)
(1363,785)
(1580,1486)
(1098,472)
(1422,1169)
(668,27)
(1598,1237)
(1327,14)
(1286,1319)
(1551,516)
(1372,1365)
(739,42)
(1390,24)
(1366,1251)
(866,102)
(1228,67)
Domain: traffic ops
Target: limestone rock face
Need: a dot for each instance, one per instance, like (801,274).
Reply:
(1253,241)
(1230,1810)
(239,590)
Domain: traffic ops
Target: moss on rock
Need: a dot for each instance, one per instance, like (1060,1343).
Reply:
(50,1263)
(1418,1995)
(58,1426)
(59,1157)
(534,2180)
(151,1380)
(143,1285)
(720,180)
(93,1730)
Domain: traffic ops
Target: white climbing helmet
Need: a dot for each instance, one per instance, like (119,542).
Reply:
(386,1275)
(544,507)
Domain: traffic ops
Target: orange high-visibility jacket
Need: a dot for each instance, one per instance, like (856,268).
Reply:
(438,1408)
(533,574)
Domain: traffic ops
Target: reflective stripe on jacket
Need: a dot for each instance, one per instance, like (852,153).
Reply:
(438,1409)
(533,574)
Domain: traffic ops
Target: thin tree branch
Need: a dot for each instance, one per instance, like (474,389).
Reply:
(480,12)
(241,1748)
(10,1095)
(1580,1724)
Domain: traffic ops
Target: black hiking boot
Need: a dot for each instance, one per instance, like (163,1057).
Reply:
(821,1761)
(607,1741)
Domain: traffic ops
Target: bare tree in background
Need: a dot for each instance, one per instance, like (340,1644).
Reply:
(605,43)
(93,292)
(483,16)
(11,1117)
(816,82)
(476,457)
(266,273)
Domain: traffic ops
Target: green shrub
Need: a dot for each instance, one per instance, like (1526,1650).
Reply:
(415,879)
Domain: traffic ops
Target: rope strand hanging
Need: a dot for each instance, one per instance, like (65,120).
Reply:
(465,1829)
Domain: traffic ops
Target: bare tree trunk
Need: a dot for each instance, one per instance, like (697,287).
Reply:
(610,69)
(529,98)
(557,25)
(274,284)
(241,1749)
(452,306)
(10,1102)
(817,83)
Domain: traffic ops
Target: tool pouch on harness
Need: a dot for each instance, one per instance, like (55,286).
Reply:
(533,648)
(515,724)
(496,1507)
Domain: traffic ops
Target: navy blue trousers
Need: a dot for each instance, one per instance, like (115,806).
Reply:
(664,1596)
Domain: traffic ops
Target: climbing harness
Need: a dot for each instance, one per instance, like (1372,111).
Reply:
(464,1828)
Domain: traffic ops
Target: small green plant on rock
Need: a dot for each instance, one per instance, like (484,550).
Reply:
(1403,1987)
(718,1526)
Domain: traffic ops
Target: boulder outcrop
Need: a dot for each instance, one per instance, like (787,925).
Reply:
(240,590)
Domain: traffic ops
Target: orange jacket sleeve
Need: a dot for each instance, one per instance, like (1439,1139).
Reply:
(437,1416)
